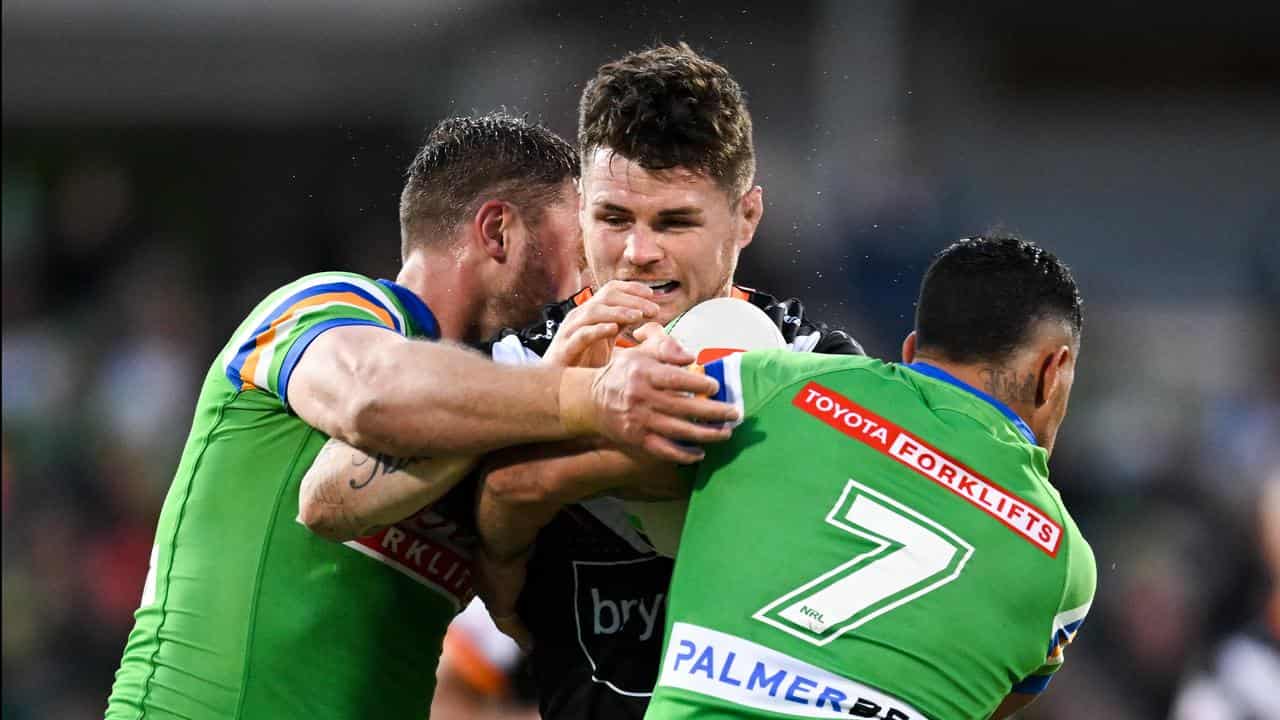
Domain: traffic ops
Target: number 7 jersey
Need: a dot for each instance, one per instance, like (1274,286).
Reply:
(876,541)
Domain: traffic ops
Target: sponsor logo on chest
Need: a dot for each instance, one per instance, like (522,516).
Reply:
(620,609)
(637,615)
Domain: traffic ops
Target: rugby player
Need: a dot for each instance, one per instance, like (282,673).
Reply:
(884,541)
(669,200)
(246,614)
(668,203)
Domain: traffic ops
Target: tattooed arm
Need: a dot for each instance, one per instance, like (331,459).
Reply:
(348,493)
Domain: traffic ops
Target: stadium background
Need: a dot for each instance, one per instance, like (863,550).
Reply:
(166,164)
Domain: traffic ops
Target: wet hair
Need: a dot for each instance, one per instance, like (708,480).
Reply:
(670,107)
(467,161)
(981,298)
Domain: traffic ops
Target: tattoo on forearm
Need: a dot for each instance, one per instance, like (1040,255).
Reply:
(1005,385)
(380,464)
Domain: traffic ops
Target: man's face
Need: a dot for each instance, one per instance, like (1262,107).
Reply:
(675,230)
(546,262)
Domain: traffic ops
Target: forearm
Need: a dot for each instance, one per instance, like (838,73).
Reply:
(519,495)
(507,529)
(348,493)
(525,487)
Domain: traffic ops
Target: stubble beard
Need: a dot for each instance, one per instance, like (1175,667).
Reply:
(531,289)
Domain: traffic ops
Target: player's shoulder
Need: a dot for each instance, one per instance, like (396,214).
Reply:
(331,277)
(976,420)
(803,332)
(322,285)
(1082,564)
(383,292)
(263,350)
(389,304)
(786,363)
(753,379)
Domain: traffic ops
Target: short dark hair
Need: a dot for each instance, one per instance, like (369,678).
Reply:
(469,160)
(982,296)
(670,107)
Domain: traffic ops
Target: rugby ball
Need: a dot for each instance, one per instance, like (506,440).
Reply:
(709,330)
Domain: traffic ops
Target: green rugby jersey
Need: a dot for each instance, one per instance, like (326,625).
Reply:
(876,541)
(245,612)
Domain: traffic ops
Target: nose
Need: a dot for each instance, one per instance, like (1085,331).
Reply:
(642,248)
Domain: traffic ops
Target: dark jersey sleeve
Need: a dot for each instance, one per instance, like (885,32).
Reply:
(801,333)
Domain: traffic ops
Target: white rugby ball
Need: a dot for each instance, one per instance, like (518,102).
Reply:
(709,330)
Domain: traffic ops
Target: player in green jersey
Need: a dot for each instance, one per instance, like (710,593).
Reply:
(247,614)
(881,540)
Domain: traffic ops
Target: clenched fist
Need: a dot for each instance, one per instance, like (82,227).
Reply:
(586,337)
(645,398)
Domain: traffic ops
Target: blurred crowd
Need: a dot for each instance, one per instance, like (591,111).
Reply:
(119,286)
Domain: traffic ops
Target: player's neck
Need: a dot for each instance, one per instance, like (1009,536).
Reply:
(445,285)
(986,378)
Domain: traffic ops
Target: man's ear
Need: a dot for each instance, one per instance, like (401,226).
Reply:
(1052,366)
(491,223)
(751,208)
(909,348)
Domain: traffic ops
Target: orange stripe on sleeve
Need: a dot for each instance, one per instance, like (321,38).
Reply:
(251,362)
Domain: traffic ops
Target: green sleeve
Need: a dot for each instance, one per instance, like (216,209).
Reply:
(268,345)
(1077,597)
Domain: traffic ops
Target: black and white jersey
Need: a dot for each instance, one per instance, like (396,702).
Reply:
(595,595)
(519,347)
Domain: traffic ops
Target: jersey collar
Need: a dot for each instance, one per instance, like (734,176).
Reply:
(418,311)
(938,373)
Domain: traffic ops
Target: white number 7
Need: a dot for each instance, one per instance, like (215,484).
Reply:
(913,556)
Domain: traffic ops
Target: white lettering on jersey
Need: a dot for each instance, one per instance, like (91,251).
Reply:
(427,548)
(739,671)
(879,434)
